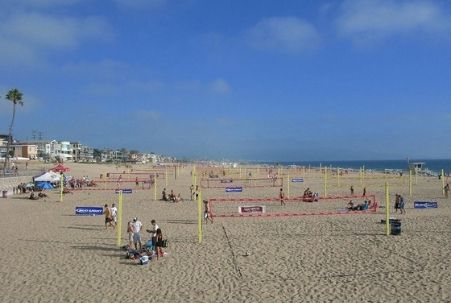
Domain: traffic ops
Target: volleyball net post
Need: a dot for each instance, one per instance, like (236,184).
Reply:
(288,185)
(443,182)
(325,181)
(119,220)
(61,187)
(410,182)
(155,189)
(199,217)
(387,209)
(166,176)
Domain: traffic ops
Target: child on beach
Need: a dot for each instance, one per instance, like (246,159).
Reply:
(130,233)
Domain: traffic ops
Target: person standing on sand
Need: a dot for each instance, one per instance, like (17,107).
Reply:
(153,232)
(130,233)
(108,219)
(282,197)
(352,190)
(114,214)
(136,226)
(159,243)
(446,190)
(364,191)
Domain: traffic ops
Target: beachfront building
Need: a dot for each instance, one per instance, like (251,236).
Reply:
(61,151)
(86,154)
(3,143)
(29,151)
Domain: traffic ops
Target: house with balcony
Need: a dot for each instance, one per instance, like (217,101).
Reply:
(29,151)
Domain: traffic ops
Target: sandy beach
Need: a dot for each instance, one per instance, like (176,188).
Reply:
(51,255)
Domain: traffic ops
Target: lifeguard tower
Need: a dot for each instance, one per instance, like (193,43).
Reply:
(417,167)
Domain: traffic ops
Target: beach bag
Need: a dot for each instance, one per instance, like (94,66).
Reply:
(144,260)
(164,243)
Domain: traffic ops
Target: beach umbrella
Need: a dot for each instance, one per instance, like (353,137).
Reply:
(60,168)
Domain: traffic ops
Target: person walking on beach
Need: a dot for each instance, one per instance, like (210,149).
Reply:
(282,197)
(446,190)
(364,191)
(136,226)
(352,190)
(396,202)
(207,212)
(401,205)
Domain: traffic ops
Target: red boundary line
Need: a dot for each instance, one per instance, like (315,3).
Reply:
(266,215)
(121,181)
(105,189)
(293,199)
(148,174)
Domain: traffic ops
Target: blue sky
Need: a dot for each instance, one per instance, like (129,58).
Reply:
(242,80)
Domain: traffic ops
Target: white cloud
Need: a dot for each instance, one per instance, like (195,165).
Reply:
(220,86)
(47,31)
(38,3)
(285,34)
(378,19)
(34,34)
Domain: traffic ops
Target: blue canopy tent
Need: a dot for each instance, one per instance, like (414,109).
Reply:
(44,185)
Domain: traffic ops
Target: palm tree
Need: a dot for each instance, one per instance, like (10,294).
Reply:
(15,96)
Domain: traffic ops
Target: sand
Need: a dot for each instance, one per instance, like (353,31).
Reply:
(50,255)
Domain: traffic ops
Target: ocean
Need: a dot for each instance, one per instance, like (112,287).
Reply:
(434,165)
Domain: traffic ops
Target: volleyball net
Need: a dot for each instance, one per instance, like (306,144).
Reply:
(240,182)
(291,207)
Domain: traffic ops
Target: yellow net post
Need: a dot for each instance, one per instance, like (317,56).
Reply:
(325,181)
(363,174)
(119,221)
(288,185)
(199,217)
(410,182)
(443,182)
(166,176)
(360,176)
(387,209)
(62,187)
(155,189)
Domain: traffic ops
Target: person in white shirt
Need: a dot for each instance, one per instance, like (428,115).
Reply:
(114,213)
(136,226)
